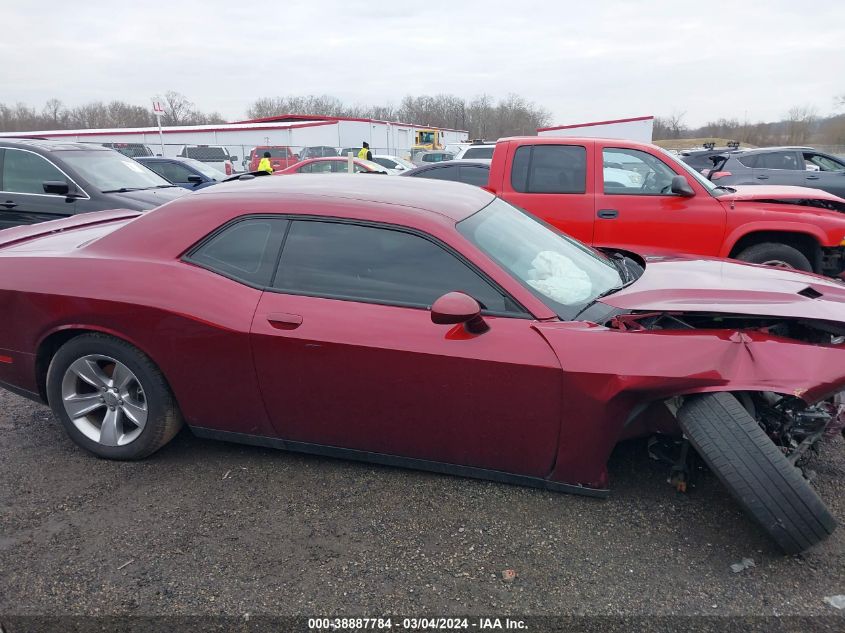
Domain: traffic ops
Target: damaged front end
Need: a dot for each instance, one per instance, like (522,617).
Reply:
(795,421)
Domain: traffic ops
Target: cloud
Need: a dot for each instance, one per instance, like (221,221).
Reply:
(581,61)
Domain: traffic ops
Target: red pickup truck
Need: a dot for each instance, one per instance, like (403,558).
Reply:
(281,156)
(638,197)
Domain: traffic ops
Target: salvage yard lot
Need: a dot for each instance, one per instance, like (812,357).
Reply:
(208,527)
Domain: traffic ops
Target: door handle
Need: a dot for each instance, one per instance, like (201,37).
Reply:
(8,204)
(608,214)
(813,177)
(762,177)
(284,320)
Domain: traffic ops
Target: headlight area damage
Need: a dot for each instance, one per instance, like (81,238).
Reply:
(752,395)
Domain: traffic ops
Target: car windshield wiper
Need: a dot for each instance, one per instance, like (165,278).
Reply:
(122,190)
(162,186)
(728,189)
(601,295)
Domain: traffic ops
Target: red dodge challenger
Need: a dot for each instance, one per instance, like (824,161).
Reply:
(425,324)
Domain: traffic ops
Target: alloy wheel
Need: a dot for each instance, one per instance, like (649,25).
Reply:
(104,400)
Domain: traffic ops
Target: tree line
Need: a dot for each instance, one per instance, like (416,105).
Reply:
(482,116)
(801,125)
(55,115)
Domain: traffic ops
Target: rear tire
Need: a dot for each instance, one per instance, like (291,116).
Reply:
(774,254)
(111,398)
(770,489)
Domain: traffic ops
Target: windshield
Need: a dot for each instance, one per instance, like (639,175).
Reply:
(713,189)
(565,274)
(206,170)
(110,171)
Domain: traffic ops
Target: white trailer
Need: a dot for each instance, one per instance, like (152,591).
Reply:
(633,129)
(295,131)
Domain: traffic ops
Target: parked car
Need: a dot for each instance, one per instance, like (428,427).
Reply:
(393,162)
(281,157)
(509,351)
(673,209)
(476,151)
(425,157)
(317,151)
(185,172)
(795,166)
(702,160)
(334,165)
(45,180)
(132,150)
(216,156)
(471,172)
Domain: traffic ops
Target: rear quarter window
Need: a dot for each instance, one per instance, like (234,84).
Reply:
(549,169)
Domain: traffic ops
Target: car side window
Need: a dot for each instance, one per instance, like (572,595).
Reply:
(171,171)
(634,172)
(322,167)
(376,265)
(748,161)
(473,175)
(25,172)
(549,169)
(449,172)
(822,163)
(245,250)
(305,169)
(778,160)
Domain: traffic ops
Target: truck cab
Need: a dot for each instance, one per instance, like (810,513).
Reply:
(637,197)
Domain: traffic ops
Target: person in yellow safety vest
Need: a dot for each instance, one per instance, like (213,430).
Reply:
(264,164)
(365,153)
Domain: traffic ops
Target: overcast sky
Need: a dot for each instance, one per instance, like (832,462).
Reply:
(583,61)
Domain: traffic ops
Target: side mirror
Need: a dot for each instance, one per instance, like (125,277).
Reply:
(457,307)
(57,187)
(681,187)
(194,179)
(234,159)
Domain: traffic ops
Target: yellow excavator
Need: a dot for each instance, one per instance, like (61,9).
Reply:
(427,140)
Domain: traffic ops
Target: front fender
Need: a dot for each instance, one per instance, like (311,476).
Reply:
(610,374)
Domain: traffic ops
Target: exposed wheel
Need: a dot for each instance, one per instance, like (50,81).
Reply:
(111,398)
(755,471)
(778,255)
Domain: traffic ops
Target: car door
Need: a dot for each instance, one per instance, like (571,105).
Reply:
(825,172)
(22,196)
(554,182)
(347,355)
(635,208)
(781,167)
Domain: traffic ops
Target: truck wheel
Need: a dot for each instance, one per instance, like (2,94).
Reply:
(755,471)
(774,254)
(111,398)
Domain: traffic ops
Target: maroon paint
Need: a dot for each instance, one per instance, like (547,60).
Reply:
(533,396)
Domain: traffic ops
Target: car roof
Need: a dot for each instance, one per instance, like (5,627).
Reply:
(453,200)
(49,146)
(779,148)
(176,159)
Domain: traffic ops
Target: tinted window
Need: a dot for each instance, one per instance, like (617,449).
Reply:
(479,152)
(209,154)
(174,172)
(550,169)
(449,172)
(25,172)
(749,160)
(375,264)
(245,250)
(386,162)
(477,176)
(778,160)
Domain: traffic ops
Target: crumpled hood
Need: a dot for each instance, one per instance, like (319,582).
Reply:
(777,192)
(676,283)
(147,198)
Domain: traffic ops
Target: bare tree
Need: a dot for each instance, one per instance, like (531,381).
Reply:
(178,110)
(799,124)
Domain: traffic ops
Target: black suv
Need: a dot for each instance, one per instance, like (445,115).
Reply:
(46,180)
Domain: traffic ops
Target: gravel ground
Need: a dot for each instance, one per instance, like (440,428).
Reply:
(205,527)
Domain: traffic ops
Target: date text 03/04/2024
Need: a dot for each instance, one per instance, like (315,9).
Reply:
(415,624)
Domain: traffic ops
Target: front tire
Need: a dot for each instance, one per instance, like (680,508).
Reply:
(111,398)
(778,255)
(770,489)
